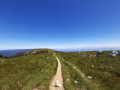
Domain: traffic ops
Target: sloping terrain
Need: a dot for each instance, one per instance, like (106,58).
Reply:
(9,53)
(35,69)
(101,71)
(27,72)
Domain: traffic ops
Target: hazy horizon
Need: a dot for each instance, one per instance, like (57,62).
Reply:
(76,48)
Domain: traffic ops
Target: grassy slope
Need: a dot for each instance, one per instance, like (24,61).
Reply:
(70,76)
(106,73)
(27,72)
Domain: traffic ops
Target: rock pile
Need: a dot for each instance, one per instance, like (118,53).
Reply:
(114,54)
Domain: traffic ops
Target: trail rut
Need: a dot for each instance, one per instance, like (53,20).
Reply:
(88,82)
(57,78)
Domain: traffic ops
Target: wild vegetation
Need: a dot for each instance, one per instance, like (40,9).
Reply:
(26,72)
(81,70)
(101,72)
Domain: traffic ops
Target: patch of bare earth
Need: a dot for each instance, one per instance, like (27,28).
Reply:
(57,81)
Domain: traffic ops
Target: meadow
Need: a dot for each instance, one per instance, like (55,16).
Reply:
(27,72)
(81,70)
(86,71)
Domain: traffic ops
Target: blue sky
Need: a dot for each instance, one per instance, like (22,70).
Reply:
(59,23)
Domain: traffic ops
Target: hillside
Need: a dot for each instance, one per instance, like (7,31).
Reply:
(9,53)
(40,69)
(27,72)
(86,71)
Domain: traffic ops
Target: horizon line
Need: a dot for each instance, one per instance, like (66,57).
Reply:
(81,47)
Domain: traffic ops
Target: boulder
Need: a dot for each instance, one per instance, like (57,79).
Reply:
(115,52)
(112,55)
(119,54)
(34,51)
(99,52)
(57,84)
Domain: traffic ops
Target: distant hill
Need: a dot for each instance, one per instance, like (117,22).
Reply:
(9,53)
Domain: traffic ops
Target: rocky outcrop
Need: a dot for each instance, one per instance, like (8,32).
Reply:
(114,54)
(111,55)
(99,53)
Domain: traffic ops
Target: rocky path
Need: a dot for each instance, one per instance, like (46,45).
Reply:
(57,81)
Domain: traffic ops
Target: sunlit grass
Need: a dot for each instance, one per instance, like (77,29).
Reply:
(105,71)
(27,72)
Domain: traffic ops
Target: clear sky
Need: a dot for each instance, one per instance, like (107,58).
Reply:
(59,23)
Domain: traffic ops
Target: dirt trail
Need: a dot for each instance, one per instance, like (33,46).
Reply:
(57,78)
(94,86)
